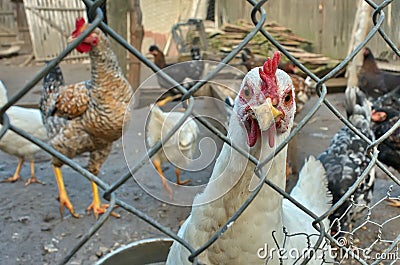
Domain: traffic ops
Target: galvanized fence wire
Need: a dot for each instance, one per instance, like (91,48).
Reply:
(95,15)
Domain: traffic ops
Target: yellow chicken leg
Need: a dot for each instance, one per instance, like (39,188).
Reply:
(96,205)
(63,197)
(157,165)
(394,203)
(167,99)
(33,179)
(16,175)
(178,177)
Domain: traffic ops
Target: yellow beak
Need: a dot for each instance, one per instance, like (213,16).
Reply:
(266,115)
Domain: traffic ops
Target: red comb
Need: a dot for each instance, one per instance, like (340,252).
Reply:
(80,21)
(267,75)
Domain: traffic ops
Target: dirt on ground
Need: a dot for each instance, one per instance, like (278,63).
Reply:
(33,232)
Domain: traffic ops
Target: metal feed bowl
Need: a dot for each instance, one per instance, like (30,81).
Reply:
(146,251)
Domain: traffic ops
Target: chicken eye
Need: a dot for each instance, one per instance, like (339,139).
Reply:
(246,92)
(288,98)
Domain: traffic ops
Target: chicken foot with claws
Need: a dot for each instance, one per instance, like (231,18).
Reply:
(16,175)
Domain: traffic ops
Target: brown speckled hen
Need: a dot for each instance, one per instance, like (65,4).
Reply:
(87,116)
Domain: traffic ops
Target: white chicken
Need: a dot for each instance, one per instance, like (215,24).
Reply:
(261,226)
(29,120)
(179,149)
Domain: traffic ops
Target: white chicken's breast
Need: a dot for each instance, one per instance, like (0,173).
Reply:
(261,225)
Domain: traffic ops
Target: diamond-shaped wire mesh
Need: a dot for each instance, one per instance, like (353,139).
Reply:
(391,245)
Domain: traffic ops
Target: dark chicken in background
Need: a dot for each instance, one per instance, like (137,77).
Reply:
(389,150)
(390,100)
(180,71)
(374,81)
(385,114)
(249,60)
(383,88)
(87,116)
(346,159)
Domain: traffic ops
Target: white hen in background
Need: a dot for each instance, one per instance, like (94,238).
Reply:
(29,120)
(179,149)
(263,222)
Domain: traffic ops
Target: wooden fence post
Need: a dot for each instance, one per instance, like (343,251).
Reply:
(117,11)
(362,21)
(136,37)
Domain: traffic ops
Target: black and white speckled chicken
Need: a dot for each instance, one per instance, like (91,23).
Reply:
(389,100)
(346,158)
(87,116)
(389,150)
(385,114)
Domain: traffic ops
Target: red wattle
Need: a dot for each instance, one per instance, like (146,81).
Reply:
(271,136)
(83,47)
(254,132)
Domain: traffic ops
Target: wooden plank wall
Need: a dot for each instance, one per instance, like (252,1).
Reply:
(8,24)
(50,23)
(23,28)
(327,23)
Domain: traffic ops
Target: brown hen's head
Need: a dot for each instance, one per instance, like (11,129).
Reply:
(266,101)
(90,41)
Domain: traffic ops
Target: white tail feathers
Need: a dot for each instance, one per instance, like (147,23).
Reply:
(312,187)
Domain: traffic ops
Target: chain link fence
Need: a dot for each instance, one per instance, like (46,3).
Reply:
(259,16)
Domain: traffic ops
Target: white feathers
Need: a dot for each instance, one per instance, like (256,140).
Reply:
(312,192)
(180,148)
(29,120)
(312,186)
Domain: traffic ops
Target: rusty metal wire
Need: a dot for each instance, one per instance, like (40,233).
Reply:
(95,15)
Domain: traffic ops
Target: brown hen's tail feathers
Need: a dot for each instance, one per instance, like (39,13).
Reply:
(50,88)
(51,83)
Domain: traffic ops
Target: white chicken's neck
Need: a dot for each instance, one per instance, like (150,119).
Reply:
(266,208)
(104,62)
(276,169)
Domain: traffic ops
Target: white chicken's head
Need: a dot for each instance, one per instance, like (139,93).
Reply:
(266,98)
(90,41)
